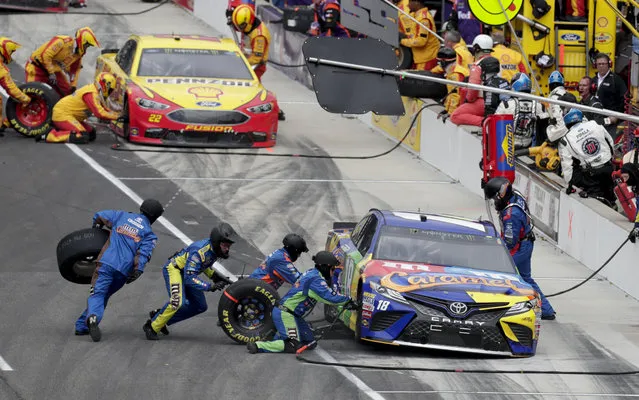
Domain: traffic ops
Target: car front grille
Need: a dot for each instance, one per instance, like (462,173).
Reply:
(383,320)
(226,139)
(524,335)
(208,117)
(485,337)
(435,307)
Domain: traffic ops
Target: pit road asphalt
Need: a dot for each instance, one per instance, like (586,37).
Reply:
(48,191)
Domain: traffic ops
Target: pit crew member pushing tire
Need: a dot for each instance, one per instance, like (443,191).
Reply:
(244,20)
(7,47)
(121,261)
(70,112)
(517,232)
(60,56)
(293,331)
(186,289)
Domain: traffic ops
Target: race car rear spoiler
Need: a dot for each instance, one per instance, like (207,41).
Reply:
(53,6)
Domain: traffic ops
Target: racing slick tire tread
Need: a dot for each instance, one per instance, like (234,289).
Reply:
(33,90)
(83,245)
(410,87)
(241,290)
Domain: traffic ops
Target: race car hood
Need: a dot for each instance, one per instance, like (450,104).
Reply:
(446,282)
(227,96)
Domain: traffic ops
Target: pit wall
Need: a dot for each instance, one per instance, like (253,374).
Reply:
(583,228)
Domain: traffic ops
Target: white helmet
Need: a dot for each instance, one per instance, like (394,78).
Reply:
(483,42)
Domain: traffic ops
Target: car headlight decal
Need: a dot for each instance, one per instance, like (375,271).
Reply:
(262,108)
(150,104)
(388,293)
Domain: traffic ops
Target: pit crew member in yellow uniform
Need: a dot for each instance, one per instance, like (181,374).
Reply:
(59,57)
(245,21)
(424,44)
(510,61)
(7,47)
(447,64)
(70,112)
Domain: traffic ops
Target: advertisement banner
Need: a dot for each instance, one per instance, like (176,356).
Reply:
(543,196)
(188,4)
(397,126)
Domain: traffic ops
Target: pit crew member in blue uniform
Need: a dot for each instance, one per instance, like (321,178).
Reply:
(186,289)
(121,261)
(293,331)
(517,232)
(278,267)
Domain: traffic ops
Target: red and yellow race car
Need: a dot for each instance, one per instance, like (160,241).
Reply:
(189,91)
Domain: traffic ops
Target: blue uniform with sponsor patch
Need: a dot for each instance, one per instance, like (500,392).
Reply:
(277,269)
(184,285)
(517,232)
(294,306)
(129,248)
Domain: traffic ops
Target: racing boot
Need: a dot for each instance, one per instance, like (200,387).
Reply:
(549,317)
(94,330)
(149,332)
(81,333)
(164,330)
(252,348)
(281,116)
(92,135)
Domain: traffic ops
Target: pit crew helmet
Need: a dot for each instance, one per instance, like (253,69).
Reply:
(500,190)
(105,82)
(243,18)
(573,116)
(555,79)
(446,56)
(521,83)
(489,67)
(295,245)
(152,209)
(325,261)
(84,38)
(7,47)
(482,43)
(223,233)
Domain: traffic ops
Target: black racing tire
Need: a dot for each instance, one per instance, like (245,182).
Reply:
(410,87)
(77,253)
(242,299)
(404,57)
(109,51)
(33,119)
(330,313)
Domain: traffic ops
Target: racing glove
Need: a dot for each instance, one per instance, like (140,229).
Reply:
(634,233)
(351,305)
(52,79)
(133,276)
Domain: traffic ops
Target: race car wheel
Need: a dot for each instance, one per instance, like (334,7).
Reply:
(330,313)
(404,57)
(245,308)
(33,119)
(77,253)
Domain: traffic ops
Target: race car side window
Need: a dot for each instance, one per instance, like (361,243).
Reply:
(125,56)
(364,241)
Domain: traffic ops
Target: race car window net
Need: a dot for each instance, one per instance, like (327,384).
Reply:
(193,63)
(443,248)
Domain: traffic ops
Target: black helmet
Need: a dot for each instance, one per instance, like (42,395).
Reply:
(294,245)
(324,262)
(446,56)
(152,209)
(500,190)
(222,233)
(489,65)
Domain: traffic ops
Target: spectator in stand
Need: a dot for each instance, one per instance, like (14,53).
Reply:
(447,66)
(586,158)
(423,43)
(611,90)
(463,21)
(510,61)
(587,91)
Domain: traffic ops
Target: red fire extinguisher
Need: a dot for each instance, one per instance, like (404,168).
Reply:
(498,142)
(625,196)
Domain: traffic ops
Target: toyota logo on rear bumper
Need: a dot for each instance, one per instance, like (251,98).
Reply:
(458,308)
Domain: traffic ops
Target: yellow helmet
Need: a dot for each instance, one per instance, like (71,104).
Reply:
(84,37)
(105,82)
(243,18)
(7,47)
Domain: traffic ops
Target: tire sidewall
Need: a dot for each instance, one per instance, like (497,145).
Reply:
(78,246)
(33,89)
(239,291)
